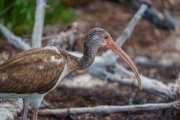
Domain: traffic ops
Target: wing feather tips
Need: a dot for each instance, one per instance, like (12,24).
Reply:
(24,76)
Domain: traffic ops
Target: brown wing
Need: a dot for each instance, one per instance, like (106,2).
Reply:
(35,70)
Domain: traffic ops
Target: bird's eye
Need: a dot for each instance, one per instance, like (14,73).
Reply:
(106,37)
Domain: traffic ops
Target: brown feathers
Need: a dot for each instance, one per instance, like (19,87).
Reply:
(35,70)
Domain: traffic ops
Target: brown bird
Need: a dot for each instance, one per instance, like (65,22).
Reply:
(33,73)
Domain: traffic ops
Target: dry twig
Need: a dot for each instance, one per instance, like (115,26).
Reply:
(110,109)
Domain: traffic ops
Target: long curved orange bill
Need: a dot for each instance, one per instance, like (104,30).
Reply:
(114,47)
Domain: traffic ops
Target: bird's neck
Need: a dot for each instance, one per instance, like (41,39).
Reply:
(88,56)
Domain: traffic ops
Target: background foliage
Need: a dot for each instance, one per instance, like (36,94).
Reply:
(18,15)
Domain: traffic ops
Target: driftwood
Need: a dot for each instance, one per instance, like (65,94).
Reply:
(145,61)
(13,39)
(110,109)
(39,22)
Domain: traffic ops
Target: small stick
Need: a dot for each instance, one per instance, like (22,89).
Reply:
(110,109)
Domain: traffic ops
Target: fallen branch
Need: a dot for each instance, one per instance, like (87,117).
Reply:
(110,109)
(145,61)
(39,22)
(13,39)
(153,86)
(121,75)
(127,32)
(129,29)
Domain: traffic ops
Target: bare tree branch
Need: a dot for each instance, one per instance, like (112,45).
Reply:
(129,29)
(13,39)
(127,32)
(153,86)
(110,109)
(118,73)
(39,22)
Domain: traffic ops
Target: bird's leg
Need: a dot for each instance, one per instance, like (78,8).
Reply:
(35,114)
(25,109)
(36,101)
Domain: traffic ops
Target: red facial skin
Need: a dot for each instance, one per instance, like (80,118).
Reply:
(110,44)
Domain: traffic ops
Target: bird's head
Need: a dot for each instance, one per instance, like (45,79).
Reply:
(98,37)
(101,38)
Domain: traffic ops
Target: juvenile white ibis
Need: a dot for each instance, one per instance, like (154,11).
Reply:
(33,73)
